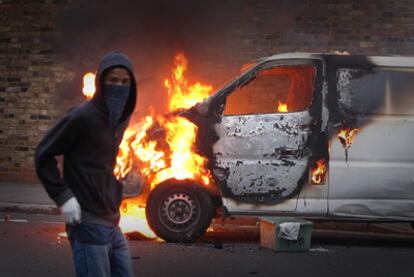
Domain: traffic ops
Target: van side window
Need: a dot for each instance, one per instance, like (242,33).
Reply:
(274,90)
(382,91)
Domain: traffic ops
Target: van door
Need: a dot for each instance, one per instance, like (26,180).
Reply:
(263,152)
(375,178)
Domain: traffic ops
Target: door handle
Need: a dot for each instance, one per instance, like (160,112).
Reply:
(286,152)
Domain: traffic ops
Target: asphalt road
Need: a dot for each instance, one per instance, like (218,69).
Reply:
(30,246)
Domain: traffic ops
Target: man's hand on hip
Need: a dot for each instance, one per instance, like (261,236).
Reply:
(71,211)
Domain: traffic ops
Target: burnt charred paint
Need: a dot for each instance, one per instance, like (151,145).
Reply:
(338,117)
(265,190)
(311,140)
(316,144)
(311,146)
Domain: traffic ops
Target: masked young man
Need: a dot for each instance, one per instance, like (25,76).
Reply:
(89,195)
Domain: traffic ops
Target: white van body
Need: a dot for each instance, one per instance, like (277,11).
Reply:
(261,158)
(322,136)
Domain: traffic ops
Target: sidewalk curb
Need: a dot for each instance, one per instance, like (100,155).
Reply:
(341,234)
(11,207)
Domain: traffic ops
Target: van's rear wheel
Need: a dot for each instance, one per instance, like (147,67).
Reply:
(179,212)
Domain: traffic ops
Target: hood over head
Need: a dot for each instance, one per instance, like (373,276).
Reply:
(110,60)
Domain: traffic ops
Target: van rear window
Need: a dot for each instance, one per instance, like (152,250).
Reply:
(382,91)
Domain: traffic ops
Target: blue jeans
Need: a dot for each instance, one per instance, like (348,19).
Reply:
(107,259)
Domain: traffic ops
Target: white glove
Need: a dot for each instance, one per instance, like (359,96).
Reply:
(71,211)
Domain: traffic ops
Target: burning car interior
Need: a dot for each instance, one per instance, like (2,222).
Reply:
(277,89)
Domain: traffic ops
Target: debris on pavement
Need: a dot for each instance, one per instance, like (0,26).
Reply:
(318,249)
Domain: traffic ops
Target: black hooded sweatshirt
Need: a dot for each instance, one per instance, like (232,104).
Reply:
(89,147)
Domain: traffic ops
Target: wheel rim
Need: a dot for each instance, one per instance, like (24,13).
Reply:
(179,211)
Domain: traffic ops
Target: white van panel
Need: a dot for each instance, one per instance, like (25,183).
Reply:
(378,178)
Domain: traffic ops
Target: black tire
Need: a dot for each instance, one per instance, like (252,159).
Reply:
(179,211)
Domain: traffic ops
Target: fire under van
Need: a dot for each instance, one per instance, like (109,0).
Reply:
(324,136)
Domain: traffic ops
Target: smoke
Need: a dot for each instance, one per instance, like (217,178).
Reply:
(149,32)
(216,36)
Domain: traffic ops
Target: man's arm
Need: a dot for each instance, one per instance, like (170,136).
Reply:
(56,142)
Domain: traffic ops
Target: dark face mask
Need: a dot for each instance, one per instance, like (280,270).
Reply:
(115,99)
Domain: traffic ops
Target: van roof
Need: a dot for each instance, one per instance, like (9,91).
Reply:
(402,61)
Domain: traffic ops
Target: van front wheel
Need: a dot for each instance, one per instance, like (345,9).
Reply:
(179,212)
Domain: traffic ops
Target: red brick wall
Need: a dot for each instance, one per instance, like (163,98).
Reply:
(233,32)
(29,73)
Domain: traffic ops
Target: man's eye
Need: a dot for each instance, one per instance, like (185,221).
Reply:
(114,80)
(126,81)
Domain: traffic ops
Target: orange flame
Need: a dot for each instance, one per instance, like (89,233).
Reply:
(347,136)
(133,219)
(174,157)
(184,162)
(159,160)
(89,85)
(182,95)
(318,173)
(181,162)
(133,146)
(282,107)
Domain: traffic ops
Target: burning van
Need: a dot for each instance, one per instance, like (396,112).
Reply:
(310,135)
